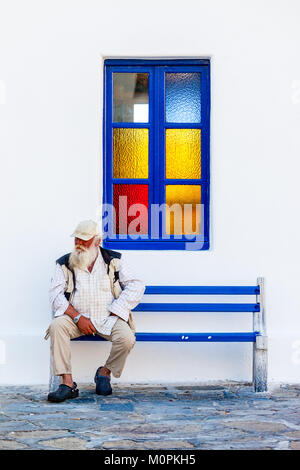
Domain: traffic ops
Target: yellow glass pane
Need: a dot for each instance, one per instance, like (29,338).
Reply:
(183,153)
(130,153)
(185,215)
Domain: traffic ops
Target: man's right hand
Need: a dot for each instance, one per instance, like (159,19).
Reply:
(86,326)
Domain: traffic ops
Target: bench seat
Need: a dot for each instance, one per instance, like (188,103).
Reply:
(186,337)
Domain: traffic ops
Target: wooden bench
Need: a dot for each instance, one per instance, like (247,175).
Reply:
(257,336)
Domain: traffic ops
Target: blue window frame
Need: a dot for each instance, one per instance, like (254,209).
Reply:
(157,126)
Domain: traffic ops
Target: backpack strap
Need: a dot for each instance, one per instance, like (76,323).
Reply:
(63,261)
(111,259)
(109,255)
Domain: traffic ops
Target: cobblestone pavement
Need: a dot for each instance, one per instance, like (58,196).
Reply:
(224,416)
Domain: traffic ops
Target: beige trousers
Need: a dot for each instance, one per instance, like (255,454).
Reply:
(63,329)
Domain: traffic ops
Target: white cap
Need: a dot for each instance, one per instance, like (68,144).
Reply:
(86,230)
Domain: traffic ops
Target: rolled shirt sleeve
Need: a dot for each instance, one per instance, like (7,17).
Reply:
(131,295)
(58,301)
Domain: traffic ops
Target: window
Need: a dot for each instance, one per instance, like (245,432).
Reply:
(156,154)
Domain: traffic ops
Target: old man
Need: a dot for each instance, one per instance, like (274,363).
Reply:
(92,293)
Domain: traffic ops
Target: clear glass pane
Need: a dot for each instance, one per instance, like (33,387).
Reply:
(131,97)
(130,153)
(183,97)
(131,206)
(183,153)
(183,219)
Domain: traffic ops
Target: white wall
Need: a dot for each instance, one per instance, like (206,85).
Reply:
(51,152)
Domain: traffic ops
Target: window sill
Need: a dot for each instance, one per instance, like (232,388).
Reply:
(156,245)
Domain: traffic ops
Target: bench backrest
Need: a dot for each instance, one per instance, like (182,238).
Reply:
(257,307)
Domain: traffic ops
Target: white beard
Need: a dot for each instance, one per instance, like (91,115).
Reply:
(82,257)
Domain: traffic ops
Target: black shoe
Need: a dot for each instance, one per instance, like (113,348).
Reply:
(102,384)
(64,392)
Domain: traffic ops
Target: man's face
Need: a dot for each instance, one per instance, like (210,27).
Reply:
(83,245)
(84,253)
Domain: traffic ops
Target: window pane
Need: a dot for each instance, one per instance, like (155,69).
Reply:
(130,153)
(131,97)
(183,97)
(183,153)
(183,220)
(130,209)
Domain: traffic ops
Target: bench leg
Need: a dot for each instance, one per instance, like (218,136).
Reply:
(53,379)
(260,364)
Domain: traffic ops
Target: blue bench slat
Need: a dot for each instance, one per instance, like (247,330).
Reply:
(245,337)
(195,307)
(205,290)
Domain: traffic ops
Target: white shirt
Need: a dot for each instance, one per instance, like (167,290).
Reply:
(93,297)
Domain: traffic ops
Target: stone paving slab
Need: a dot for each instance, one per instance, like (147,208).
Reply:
(180,417)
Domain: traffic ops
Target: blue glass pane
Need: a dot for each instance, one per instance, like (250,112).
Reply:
(183,97)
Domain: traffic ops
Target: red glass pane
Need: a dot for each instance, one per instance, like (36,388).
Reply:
(131,213)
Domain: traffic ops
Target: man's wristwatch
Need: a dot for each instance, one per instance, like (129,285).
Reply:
(76,319)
